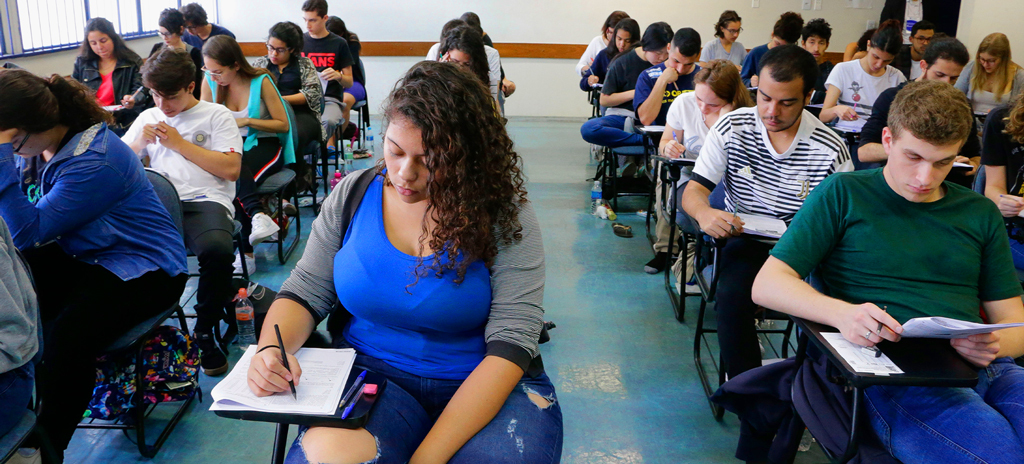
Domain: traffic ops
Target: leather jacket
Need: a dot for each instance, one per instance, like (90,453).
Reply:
(127,78)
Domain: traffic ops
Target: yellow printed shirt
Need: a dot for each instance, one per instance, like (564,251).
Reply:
(645,83)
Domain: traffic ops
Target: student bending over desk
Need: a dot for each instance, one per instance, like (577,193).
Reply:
(431,296)
(627,33)
(768,158)
(103,249)
(900,238)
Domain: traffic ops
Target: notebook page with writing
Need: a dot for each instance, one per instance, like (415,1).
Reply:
(319,390)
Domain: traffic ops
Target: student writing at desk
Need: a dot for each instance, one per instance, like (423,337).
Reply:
(454,314)
(853,86)
(627,33)
(1003,157)
(901,238)
(768,158)
(943,61)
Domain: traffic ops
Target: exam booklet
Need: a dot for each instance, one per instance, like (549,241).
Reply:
(944,327)
(319,390)
(764,226)
(861,359)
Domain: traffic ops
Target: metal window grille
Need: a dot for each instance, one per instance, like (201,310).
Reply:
(29,27)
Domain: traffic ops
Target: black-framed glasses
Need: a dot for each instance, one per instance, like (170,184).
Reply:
(165,34)
(922,39)
(275,50)
(22,144)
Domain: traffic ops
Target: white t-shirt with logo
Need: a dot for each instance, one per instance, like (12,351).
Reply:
(913,14)
(685,115)
(207,125)
(860,89)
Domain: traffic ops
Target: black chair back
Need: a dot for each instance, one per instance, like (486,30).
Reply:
(168,196)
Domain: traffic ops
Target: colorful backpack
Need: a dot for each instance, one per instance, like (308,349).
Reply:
(170,363)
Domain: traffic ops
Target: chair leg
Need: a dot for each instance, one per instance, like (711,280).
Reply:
(241,255)
(284,253)
(698,337)
(280,444)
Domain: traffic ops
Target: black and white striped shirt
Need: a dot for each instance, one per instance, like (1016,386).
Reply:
(758,180)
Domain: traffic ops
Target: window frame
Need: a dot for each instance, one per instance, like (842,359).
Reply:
(12,46)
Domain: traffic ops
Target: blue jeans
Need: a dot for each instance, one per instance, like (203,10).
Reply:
(984,424)
(15,393)
(607,131)
(522,432)
(1017,251)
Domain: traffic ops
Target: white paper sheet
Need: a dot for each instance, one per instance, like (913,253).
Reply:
(113,108)
(764,226)
(944,327)
(324,373)
(854,126)
(648,129)
(862,360)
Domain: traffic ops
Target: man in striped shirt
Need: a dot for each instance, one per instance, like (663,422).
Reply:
(768,159)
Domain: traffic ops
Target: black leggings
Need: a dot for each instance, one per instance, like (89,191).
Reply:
(259,163)
(84,308)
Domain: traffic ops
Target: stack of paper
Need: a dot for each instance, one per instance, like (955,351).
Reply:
(763,226)
(944,327)
(861,359)
(854,126)
(324,373)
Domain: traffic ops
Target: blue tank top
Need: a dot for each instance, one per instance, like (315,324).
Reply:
(432,329)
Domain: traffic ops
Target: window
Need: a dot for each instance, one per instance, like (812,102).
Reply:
(36,26)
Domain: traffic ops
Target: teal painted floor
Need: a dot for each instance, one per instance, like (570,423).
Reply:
(621,364)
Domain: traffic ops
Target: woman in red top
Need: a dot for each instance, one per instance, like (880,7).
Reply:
(106,65)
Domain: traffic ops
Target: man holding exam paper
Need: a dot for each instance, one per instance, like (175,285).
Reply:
(768,158)
(896,244)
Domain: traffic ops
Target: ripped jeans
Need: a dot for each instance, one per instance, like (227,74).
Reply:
(521,432)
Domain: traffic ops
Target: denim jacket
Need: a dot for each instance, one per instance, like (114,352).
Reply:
(127,78)
(94,200)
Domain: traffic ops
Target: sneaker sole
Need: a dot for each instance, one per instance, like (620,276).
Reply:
(290,210)
(652,270)
(216,372)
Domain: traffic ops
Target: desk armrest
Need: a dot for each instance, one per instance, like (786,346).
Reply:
(926,362)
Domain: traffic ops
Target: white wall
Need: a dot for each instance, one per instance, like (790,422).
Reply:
(979,18)
(545,87)
(64,62)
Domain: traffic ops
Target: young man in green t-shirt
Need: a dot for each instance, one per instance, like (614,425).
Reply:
(900,238)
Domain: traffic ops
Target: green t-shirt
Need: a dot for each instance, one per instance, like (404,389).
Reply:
(920,259)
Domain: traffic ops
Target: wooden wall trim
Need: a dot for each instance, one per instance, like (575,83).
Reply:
(507,50)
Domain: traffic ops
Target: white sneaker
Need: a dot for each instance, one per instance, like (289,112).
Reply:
(26,456)
(262,227)
(250,264)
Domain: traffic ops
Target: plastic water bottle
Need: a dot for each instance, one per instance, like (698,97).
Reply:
(346,146)
(245,316)
(595,197)
(336,179)
(369,141)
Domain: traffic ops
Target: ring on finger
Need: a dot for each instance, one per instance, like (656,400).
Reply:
(868,335)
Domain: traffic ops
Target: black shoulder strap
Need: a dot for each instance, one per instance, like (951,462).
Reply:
(355,197)
(340,316)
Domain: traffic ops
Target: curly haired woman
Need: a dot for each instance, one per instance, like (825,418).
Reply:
(451,311)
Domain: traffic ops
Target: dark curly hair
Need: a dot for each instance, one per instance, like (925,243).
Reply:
(475,185)
(469,41)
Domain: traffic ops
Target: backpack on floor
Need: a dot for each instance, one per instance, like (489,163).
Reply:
(170,372)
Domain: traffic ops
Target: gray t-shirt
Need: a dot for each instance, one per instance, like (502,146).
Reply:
(713,50)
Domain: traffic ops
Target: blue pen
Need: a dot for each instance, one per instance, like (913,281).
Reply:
(352,389)
(355,401)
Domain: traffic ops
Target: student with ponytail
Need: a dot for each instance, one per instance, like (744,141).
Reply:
(853,86)
(104,252)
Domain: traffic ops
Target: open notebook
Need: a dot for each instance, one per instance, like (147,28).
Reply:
(324,373)
(763,226)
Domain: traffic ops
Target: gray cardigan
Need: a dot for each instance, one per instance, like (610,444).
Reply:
(19,312)
(963,83)
(517,280)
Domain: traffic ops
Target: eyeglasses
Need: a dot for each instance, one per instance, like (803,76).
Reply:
(212,73)
(922,39)
(992,61)
(165,34)
(275,50)
(735,31)
(22,144)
